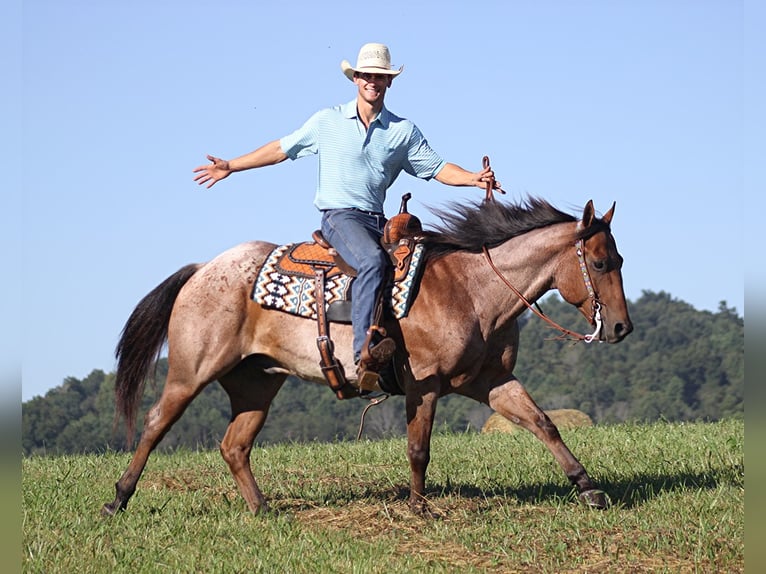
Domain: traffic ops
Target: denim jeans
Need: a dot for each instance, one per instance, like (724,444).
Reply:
(355,235)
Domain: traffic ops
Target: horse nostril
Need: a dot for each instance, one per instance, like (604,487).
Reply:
(623,329)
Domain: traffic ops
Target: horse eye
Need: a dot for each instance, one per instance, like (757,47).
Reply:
(599,265)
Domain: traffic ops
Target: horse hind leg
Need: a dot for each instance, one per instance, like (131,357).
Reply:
(513,402)
(175,397)
(251,387)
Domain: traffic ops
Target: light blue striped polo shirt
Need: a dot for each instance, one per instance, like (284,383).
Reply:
(357,166)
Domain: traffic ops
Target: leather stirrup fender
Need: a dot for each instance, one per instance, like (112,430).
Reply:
(331,369)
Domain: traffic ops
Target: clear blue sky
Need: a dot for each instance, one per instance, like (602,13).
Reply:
(635,102)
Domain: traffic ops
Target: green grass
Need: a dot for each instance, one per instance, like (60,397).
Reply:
(677,493)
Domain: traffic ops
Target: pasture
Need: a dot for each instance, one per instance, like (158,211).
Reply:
(677,494)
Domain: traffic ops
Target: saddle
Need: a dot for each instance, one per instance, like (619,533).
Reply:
(399,237)
(319,260)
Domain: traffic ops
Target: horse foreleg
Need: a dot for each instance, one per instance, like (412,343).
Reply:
(513,402)
(420,419)
(251,392)
(166,411)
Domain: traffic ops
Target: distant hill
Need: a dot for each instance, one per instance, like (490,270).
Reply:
(679,364)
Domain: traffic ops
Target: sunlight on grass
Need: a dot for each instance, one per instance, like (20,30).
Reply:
(677,492)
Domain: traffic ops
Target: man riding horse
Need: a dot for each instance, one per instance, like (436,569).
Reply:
(362,148)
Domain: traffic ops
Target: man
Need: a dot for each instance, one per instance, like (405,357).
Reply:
(362,148)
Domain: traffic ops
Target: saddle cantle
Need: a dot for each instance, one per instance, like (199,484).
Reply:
(303,258)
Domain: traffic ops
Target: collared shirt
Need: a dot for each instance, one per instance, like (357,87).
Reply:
(358,165)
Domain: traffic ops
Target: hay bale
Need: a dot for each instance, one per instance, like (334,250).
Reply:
(564,419)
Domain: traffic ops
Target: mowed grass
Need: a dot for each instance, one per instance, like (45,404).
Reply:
(677,493)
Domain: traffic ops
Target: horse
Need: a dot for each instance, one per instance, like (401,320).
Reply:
(460,336)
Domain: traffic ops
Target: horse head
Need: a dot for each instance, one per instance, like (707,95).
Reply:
(591,278)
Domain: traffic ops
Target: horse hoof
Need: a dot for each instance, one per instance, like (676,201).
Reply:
(108,510)
(112,508)
(425,511)
(262,509)
(594,499)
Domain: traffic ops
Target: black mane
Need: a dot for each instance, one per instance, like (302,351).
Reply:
(472,226)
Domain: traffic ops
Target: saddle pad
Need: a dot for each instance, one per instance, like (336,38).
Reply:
(294,294)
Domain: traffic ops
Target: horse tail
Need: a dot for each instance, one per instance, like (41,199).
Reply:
(141,342)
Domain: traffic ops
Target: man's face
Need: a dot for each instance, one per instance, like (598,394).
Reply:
(372,87)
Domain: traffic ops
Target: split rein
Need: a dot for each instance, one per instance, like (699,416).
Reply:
(580,250)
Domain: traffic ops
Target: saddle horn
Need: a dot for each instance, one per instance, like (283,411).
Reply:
(401,225)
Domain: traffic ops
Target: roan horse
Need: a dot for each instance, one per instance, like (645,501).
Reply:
(460,336)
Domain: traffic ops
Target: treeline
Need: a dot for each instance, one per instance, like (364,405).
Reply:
(678,364)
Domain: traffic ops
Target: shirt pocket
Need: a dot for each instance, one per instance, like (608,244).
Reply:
(384,158)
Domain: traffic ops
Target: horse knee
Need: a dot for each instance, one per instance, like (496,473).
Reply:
(418,456)
(236,456)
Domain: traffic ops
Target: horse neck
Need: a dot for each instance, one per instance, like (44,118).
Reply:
(529,262)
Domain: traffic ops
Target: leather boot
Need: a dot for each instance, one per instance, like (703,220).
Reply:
(378,356)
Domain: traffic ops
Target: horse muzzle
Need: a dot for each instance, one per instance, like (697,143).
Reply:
(615,331)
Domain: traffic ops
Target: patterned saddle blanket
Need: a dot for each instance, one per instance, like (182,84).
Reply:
(287,281)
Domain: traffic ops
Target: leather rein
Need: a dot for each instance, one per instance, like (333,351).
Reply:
(580,251)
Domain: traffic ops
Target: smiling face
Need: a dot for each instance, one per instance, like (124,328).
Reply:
(372,87)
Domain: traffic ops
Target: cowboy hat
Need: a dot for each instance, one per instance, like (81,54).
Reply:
(373,59)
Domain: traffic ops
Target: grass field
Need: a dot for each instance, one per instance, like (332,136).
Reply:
(677,493)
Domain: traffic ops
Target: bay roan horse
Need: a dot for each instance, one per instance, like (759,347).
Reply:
(460,336)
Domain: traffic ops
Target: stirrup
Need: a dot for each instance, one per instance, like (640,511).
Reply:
(367,380)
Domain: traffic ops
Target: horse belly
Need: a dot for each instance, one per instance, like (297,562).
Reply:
(291,342)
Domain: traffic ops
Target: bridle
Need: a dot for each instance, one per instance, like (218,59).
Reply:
(595,316)
(580,251)
(595,303)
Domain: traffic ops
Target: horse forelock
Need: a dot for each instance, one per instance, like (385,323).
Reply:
(470,227)
(597,226)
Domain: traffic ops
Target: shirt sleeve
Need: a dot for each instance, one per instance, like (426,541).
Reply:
(303,141)
(422,161)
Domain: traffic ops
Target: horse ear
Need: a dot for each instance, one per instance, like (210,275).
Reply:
(609,214)
(588,214)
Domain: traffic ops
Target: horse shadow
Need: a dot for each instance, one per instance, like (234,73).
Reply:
(626,492)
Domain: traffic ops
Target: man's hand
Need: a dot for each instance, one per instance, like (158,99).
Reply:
(452,174)
(485,176)
(212,172)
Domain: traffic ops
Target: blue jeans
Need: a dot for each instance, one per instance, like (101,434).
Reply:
(355,235)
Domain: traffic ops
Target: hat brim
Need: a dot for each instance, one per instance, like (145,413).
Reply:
(349,71)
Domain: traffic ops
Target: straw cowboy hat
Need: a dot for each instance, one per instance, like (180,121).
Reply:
(373,59)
